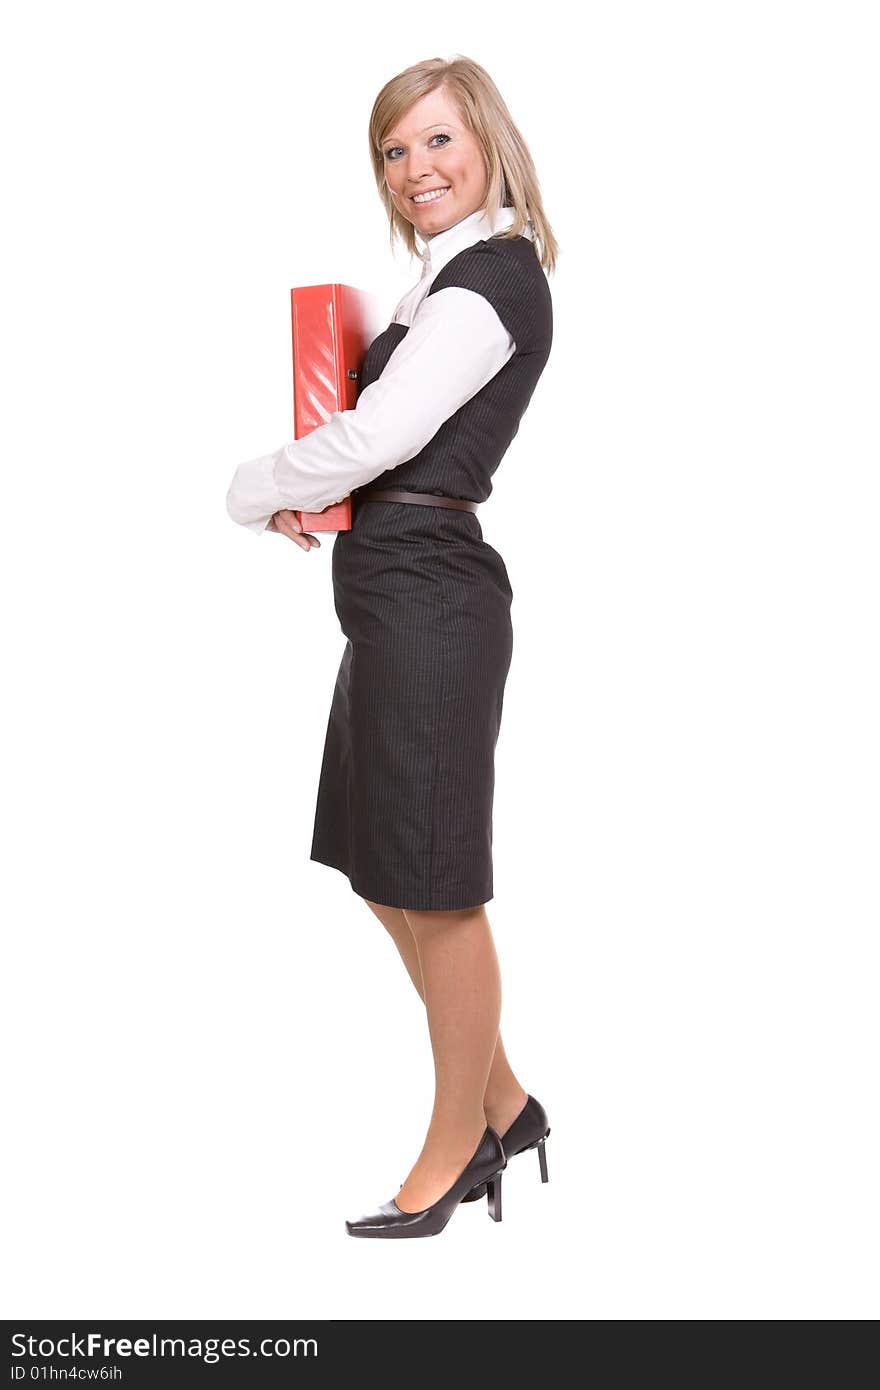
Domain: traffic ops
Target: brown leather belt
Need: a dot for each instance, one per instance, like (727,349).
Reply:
(424,499)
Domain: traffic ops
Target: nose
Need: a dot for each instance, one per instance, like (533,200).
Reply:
(417,173)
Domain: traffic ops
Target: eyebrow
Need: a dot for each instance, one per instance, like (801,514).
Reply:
(396,138)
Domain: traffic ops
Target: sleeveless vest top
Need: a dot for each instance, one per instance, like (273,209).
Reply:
(462,456)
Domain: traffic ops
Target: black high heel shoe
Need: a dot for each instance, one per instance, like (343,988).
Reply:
(484,1168)
(528,1131)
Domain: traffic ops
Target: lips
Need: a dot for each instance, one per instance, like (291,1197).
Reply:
(441,188)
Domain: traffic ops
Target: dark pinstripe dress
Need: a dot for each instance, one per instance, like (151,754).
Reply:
(405,796)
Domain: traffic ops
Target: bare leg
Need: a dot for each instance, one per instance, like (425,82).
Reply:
(462,991)
(398,928)
(504,1097)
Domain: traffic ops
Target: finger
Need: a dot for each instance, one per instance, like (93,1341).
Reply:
(286,529)
(282,524)
(291,517)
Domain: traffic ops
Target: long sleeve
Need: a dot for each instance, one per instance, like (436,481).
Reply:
(456,344)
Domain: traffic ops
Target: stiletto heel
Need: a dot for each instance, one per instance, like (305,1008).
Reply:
(542,1157)
(493,1189)
(528,1131)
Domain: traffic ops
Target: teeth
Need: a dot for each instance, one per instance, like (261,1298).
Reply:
(430,197)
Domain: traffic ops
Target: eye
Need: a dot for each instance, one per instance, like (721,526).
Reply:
(440,135)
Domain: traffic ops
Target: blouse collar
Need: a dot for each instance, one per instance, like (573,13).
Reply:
(477,226)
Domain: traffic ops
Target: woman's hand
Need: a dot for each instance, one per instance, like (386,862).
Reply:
(287,523)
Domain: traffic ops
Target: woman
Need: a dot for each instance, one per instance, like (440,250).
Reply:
(404,804)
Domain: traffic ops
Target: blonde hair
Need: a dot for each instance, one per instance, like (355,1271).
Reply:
(511,177)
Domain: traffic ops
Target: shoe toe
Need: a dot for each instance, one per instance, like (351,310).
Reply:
(375,1220)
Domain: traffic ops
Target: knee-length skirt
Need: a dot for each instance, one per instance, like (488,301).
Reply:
(406,789)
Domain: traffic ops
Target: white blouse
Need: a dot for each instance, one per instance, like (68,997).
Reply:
(455,344)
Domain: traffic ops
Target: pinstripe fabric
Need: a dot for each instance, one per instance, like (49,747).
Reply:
(405,796)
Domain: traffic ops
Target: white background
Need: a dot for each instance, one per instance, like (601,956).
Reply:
(214,1055)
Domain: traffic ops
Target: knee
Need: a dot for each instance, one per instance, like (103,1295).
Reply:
(393,919)
(427,924)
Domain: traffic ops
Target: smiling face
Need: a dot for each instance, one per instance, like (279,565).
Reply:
(430,148)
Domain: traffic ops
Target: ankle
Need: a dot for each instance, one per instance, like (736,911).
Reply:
(446,1129)
(503,1106)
